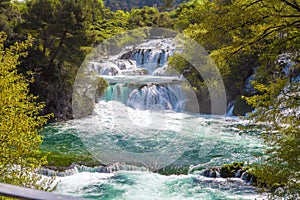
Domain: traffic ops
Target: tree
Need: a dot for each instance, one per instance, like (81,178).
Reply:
(10,16)
(278,106)
(19,123)
(62,38)
(109,24)
(261,30)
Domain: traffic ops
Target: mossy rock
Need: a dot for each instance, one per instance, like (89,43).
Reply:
(213,172)
(101,88)
(229,170)
(241,108)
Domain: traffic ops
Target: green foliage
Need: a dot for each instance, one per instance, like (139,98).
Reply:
(241,107)
(109,24)
(277,106)
(128,5)
(62,37)
(183,15)
(101,87)
(148,17)
(19,121)
(9,17)
(240,36)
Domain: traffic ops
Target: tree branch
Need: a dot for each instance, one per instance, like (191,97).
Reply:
(251,4)
(295,6)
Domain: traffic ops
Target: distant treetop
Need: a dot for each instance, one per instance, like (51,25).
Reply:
(127,5)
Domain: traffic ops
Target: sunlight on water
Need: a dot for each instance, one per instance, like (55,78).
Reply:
(141,125)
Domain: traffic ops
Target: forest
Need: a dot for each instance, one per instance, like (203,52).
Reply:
(254,43)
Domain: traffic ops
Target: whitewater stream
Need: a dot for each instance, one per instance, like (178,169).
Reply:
(139,129)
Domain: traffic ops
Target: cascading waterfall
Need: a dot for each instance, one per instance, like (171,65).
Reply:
(139,88)
(143,61)
(76,169)
(230,108)
(151,58)
(144,97)
(147,96)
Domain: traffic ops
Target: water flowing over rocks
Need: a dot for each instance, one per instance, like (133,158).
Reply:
(136,77)
(234,170)
(155,146)
(76,169)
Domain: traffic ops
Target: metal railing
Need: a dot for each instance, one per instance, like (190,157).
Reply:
(26,193)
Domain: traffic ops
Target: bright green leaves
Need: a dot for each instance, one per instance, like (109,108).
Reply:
(247,37)
(19,121)
(277,106)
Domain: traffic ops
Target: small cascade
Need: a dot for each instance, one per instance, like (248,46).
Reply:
(118,92)
(229,171)
(248,178)
(160,71)
(146,58)
(116,67)
(126,64)
(151,59)
(123,167)
(230,108)
(76,169)
(171,170)
(296,79)
(145,96)
(238,174)
(110,168)
(212,173)
(72,170)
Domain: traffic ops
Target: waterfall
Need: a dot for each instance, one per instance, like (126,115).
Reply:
(146,58)
(75,169)
(145,96)
(146,61)
(151,59)
(230,108)
(117,92)
(137,102)
(69,171)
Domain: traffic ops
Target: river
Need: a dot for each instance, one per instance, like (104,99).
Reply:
(140,126)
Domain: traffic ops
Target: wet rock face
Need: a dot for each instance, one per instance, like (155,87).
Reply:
(213,173)
(231,170)
(241,107)
(235,169)
(127,55)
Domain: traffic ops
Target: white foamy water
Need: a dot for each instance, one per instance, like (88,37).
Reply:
(147,185)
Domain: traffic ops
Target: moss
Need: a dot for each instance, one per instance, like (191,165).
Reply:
(101,87)
(229,170)
(246,168)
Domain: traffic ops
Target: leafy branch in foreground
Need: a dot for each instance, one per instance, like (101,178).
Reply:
(19,122)
(278,106)
(248,37)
